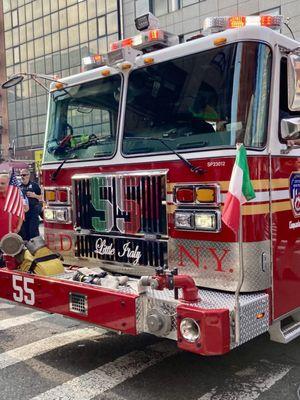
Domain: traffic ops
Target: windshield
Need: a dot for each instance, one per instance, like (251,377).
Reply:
(83,120)
(211,99)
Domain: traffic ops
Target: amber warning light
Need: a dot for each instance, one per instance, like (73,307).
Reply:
(218,24)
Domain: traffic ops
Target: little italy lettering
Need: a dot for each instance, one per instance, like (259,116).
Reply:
(105,249)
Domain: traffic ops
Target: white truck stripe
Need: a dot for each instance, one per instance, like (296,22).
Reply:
(106,377)
(249,383)
(39,347)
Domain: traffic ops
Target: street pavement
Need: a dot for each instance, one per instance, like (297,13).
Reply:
(45,357)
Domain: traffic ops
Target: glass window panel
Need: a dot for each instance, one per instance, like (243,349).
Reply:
(63,23)
(8,39)
(83,32)
(72,15)
(73,34)
(74,57)
(16,55)
(173,5)
(54,5)
(42,122)
(33,106)
(11,111)
(82,11)
(93,47)
(101,26)
(20,129)
(14,17)
(64,60)
(20,141)
(30,50)
(46,7)
(112,22)
(56,62)
(22,33)
(84,51)
(49,65)
(102,42)
(7,21)
(12,128)
(6,5)
(28,12)
(29,31)
(41,102)
(34,125)
(65,73)
(26,110)
(160,7)
(38,9)
(63,39)
(23,52)
(75,70)
(39,47)
(27,141)
(55,41)
(40,65)
(21,12)
(54,22)
(92,29)
(91,4)
(14,4)
(19,109)
(48,44)
(63,3)
(111,5)
(15,35)
(20,3)
(25,84)
(38,28)
(35,140)
(47,25)
(101,7)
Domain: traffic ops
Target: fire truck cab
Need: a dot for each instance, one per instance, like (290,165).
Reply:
(138,155)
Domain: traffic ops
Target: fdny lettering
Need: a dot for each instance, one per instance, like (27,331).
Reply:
(195,257)
(58,241)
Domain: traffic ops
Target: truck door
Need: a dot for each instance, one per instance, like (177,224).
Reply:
(285,197)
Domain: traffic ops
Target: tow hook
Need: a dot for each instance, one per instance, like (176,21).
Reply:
(165,279)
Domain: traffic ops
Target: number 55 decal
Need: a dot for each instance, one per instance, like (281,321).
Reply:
(22,292)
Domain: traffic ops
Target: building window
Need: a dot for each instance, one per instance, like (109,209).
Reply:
(161,7)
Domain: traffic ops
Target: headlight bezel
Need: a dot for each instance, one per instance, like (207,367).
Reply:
(195,324)
(66,211)
(193,214)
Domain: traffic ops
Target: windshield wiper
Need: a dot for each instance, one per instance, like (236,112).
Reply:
(193,168)
(57,171)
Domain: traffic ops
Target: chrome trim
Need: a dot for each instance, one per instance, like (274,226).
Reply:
(204,185)
(69,214)
(55,188)
(200,211)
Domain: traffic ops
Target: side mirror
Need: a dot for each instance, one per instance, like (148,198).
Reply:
(293,71)
(290,128)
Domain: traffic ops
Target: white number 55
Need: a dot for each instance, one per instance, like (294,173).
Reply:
(23,293)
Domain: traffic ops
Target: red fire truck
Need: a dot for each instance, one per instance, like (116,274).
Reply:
(138,155)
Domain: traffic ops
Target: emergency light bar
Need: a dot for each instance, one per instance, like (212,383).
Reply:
(218,24)
(152,39)
(92,62)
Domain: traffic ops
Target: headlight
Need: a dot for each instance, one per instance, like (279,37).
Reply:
(57,214)
(184,220)
(49,214)
(190,330)
(207,221)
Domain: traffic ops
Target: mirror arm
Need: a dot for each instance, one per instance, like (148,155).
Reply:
(41,84)
(288,149)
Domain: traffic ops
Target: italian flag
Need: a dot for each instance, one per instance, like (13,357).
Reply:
(240,190)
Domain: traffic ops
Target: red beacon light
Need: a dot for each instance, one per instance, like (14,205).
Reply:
(219,24)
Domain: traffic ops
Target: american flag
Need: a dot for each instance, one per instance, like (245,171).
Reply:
(14,203)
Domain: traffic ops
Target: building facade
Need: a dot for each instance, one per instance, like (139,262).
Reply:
(49,37)
(185,17)
(52,36)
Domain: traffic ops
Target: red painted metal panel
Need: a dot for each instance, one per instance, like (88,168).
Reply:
(214,327)
(106,308)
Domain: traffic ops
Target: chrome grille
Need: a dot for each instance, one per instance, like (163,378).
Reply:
(146,191)
(125,213)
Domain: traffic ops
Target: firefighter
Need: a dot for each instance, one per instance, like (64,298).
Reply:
(32,191)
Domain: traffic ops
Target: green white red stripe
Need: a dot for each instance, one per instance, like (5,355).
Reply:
(240,190)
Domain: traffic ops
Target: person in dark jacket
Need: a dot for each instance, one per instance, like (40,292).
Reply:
(32,191)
